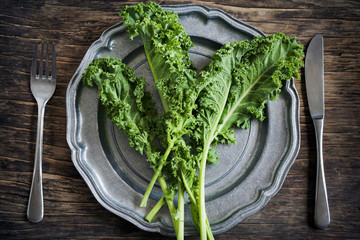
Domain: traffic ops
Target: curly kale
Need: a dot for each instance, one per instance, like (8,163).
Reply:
(234,87)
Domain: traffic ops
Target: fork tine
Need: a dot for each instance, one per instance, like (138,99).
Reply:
(53,67)
(47,62)
(33,65)
(41,60)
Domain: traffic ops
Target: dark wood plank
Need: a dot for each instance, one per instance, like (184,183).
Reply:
(72,212)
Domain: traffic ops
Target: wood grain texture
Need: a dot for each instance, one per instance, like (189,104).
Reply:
(72,212)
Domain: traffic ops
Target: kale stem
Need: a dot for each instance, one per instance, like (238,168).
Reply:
(166,195)
(155,209)
(156,175)
(181,210)
(201,200)
(151,186)
(169,202)
(193,202)
(208,229)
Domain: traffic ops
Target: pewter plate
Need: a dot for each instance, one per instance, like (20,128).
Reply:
(249,173)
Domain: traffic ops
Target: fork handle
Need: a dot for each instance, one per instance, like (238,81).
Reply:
(35,211)
(322,213)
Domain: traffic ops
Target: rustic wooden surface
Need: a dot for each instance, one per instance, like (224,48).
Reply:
(72,212)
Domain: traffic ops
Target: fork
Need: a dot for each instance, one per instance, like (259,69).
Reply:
(42,84)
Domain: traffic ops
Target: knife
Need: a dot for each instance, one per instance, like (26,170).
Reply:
(314,79)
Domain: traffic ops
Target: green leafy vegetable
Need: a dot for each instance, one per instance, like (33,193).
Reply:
(166,46)
(205,108)
(126,103)
(243,76)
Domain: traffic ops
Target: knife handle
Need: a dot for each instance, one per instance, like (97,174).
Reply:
(322,213)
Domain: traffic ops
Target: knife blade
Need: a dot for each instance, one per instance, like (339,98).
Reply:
(314,80)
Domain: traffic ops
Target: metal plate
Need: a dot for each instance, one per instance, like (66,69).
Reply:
(248,174)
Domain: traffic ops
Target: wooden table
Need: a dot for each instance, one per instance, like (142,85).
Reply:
(72,212)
